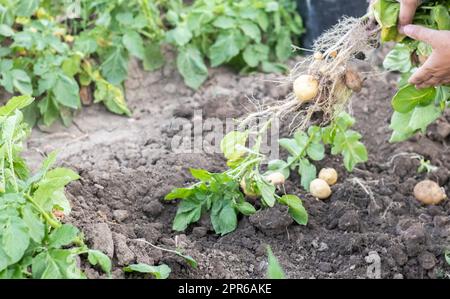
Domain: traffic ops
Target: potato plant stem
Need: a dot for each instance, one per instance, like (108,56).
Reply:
(52,222)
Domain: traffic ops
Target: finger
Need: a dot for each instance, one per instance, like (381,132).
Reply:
(427,35)
(407,11)
(420,76)
(432,82)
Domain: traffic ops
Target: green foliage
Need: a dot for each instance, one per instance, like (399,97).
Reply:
(274,270)
(248,35)
(222,195)
(414,110)
(159,272)
(51,53)
(307,147)
(33,242)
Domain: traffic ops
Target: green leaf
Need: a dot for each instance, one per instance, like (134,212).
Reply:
(200,174)
(189,211)
(267,191)
(96,257)
(254,54)
(15,103)
(245,208)
(233,145)
(291,146)
(283,48)
(251,30)
(348,144)
(410,97)
(179,36)
(274,270)
(5,30)
(189,259)
(14,240)
(316,151)
(179,193)
(192,67)
(224,22)
(25,8)
(159,272)
(134,43)
(307,172)
(36,227)
(227,46)
(63,236)
(112,96)
(441,16)
(447,256)
(115,66)
(223,217)
(278,68)
(66,91)
(278,166)
(296,209)
(56,264)
(153,57)
(21,81)
(399,59)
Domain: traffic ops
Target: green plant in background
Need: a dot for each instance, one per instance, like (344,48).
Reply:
(68,53)
(249,35)
(414,109)
(33,242)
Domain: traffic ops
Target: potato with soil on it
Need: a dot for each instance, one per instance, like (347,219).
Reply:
(353,80)
(320,189)
(306,88)
(329,175)
(429,192)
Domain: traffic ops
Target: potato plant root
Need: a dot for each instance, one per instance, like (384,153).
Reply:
(128,166)
(329,65)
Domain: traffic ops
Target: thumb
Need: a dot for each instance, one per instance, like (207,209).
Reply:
(422,34)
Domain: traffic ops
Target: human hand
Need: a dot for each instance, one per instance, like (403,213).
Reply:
(407,11)
(436,69)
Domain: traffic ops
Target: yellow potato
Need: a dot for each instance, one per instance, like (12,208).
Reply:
(429,192)
(329,175)
(306,88)
(320,189)
(276,178)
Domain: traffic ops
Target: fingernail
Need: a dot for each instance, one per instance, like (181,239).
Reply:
(408,29)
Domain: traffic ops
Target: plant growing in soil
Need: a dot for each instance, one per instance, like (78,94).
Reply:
(33,241)
(159,272)
(224,194)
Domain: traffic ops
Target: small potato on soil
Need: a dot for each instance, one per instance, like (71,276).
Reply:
(329,175)
(320,189)
(306,88)
(276,178)
(429,192)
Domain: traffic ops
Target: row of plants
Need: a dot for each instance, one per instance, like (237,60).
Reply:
(70,53)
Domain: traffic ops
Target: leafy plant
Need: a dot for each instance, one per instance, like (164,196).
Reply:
(414,109)
(310,146)
(447,256)
(159,272)
(249,35)
(274,269)
(33,242)
(222,194)
(65,53)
